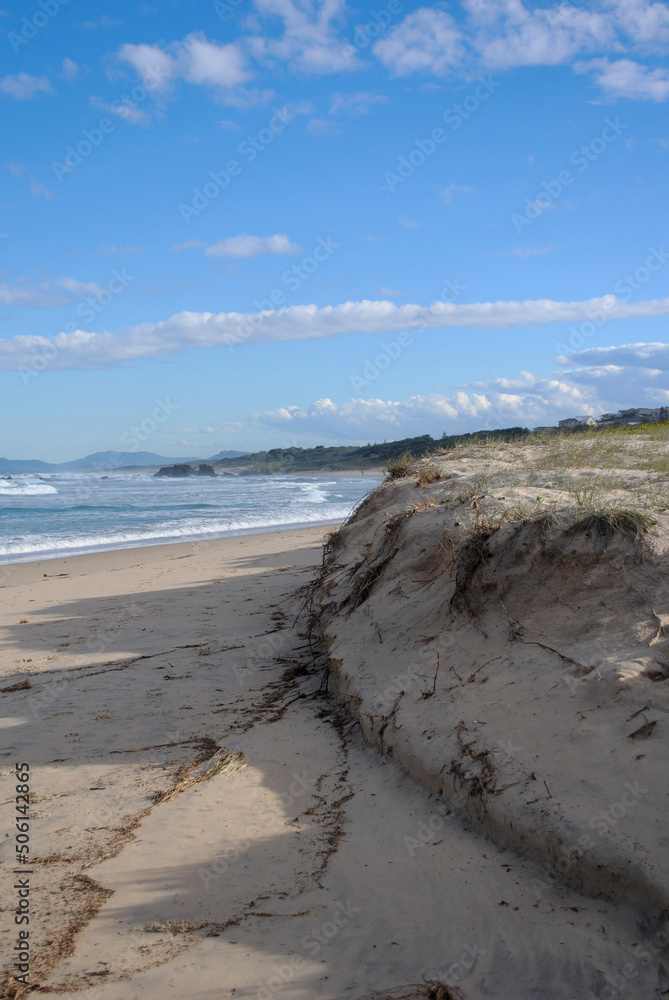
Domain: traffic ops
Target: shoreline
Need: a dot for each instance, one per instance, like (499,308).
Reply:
(30,558)
(198,801)
(134,555)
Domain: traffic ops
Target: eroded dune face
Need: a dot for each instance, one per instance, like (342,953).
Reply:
(508,648)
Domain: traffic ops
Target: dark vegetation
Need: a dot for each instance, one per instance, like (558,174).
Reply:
(326,459)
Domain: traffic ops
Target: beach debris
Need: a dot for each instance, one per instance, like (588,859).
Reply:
(643,732)
(22,686)
(221,762)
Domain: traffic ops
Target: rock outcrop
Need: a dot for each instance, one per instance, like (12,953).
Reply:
(184,471)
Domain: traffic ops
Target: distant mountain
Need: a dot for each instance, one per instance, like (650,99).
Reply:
(106,461)
(110,460)
(225,454)
(24,465)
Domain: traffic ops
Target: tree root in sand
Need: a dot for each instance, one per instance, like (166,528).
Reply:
(222,762)
(419,991)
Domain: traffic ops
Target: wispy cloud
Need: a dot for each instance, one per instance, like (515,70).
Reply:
(23,86)
(524,252)
(353,105)
(625,78)
(46,292)
(310,41)
(99,22)
(243,246)
(41,190)
(36,187)
(453,192)
(496,35)
(195,60)
(82,349)
(526,400)
(112,249)
(428,40)
(125,110)
(639,374)
(70,70)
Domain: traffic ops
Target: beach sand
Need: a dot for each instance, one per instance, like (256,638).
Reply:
(296,862)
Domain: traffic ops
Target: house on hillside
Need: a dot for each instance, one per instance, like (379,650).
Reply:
(572,422)
(636,415)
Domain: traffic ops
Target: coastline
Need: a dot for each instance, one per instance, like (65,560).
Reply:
(161,545)
(206,821)
(113,518)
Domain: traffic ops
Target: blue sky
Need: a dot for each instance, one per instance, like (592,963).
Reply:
(293,222)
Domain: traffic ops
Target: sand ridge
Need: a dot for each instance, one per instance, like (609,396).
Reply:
(313,867)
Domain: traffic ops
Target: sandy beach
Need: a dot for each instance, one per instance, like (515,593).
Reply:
(207,821)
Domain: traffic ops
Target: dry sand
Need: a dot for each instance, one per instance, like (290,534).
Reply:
(298,861)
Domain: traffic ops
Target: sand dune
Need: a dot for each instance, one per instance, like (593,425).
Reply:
(209,822)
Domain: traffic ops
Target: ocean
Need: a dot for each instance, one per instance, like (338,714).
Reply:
(55,514)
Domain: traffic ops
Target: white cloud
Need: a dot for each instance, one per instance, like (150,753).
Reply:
(41,190)
(641,355)
(645,23)
(36,187)
(195,60)
(70,69)
(526,401)
(625,78)
(497,35)
(243,246)
(523,252)
(127,111)
(507,34)
(309,42)
(112,249)
(321,128)
(453,191)
(101,22)
(45,293)
(427,40)
(355,104)
(23,86)
(81,349)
